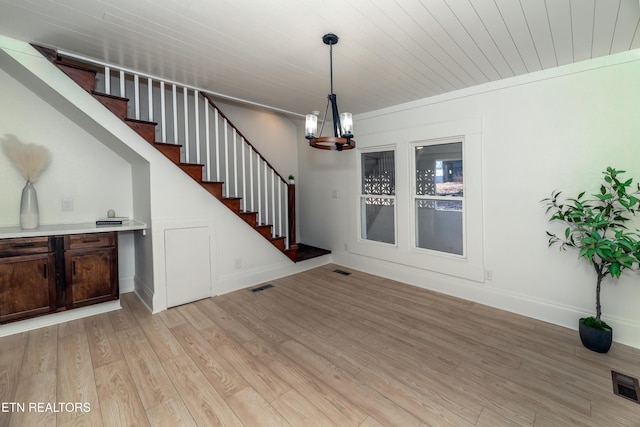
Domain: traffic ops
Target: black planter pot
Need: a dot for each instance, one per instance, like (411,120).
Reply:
(595,339)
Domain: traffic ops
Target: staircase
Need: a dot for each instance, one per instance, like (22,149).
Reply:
(199,131)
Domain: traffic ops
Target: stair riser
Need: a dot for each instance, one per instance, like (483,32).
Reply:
(145,130)
(85,78)
(116,106)
(171,151)
(215,188)
(249,218)
(233,204)
(194,171)
(265,231)
(278,243)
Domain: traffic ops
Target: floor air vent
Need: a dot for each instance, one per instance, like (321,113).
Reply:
(626,386)
(261,288)
(344,273)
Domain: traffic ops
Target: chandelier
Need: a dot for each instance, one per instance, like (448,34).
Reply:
(342,123)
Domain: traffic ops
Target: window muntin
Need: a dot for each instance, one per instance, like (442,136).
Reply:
(439,197)
(377,196)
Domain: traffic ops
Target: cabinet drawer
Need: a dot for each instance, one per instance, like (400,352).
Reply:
(24,246)
(92,240)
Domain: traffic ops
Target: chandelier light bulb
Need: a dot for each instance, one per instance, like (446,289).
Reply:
(311,126)
(346,120)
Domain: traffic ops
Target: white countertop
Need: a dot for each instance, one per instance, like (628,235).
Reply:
(53,229)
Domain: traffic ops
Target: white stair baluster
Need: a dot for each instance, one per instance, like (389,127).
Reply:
(136,94)
(150,98)
(107,80)
(266,195)
(207,137)
(251,178)
(186,125)
(217,138)
(226,158)
(122,84)
(163,112)
(175,114)
(235,163)
(259,186)
(286,215)
(196,116)
(273,202)
(244,176)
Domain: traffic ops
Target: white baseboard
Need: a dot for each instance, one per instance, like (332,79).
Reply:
(126,284)
(144,293)
(56,318)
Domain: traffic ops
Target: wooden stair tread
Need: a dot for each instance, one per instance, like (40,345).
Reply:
(166,144)
(75,66)
(143,122)
(107,95)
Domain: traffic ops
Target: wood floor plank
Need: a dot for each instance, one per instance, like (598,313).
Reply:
(328,400)
(490,418)
(103,343)
(160,337)
(41,352)
(122,319)
(76,379)
(220,373)
(34,393)
(119,400)
(253,410)
(237,330)
(205,404)
(151,381)
(261,378)
(371,400)
(11,357)
(172,317)
(170,413)
(298,411)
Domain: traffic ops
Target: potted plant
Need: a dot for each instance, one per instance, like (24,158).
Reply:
(596,227)
(291,179)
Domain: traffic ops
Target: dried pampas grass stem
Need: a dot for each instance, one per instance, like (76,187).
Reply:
(30,159)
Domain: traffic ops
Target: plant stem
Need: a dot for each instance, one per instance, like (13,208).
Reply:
(599,271)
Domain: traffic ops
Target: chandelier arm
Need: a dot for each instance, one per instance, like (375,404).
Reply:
(324,119)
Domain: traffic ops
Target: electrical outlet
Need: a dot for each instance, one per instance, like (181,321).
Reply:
(67,204)
(488,275)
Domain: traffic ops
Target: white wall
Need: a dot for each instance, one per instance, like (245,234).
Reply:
(273,135)
(552,129)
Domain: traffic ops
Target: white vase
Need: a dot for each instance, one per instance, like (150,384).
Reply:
(29,216)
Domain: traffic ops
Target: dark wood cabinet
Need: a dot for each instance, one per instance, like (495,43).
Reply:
(91,269)
(41,275)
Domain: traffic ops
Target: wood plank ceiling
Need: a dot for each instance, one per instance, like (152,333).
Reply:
(270,51)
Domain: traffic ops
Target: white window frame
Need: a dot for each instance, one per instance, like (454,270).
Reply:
(415,197)
(471,266)
(361,196)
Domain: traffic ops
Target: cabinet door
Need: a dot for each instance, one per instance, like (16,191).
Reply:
(92,276)
(27,286)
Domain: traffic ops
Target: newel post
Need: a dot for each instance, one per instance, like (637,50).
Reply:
(291,202)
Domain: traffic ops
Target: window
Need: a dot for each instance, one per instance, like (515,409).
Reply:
(439,197)
(377,196)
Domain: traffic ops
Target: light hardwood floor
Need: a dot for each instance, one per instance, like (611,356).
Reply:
(317,349)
